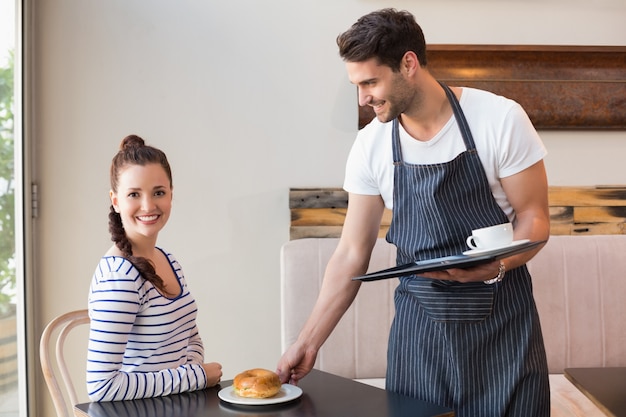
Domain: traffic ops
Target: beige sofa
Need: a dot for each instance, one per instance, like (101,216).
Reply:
(579,285)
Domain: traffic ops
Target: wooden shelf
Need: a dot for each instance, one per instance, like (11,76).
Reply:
(560,87)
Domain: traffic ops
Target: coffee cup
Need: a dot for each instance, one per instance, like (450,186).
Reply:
(491,237)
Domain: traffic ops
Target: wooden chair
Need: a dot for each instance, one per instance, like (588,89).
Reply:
(63,324)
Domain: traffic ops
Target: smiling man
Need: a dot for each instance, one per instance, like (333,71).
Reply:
(446,160)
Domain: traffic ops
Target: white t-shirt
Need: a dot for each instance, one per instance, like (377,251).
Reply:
(506,141)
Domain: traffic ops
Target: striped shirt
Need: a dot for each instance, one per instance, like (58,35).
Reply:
(141,344)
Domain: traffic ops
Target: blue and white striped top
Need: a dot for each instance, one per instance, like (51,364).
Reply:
(141,344)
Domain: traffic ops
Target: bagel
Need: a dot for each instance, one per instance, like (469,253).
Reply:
(257,383)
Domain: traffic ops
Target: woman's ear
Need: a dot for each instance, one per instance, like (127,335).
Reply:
(113,197)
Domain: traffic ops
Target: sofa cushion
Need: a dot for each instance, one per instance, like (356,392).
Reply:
(579,285)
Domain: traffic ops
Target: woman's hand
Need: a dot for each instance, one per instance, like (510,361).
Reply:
(213,373)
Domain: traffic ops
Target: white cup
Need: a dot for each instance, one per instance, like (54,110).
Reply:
(491,237)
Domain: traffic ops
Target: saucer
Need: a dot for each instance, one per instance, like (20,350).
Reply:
(489,251)
(287,393)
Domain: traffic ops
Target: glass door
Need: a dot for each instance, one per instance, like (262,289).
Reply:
(9,387)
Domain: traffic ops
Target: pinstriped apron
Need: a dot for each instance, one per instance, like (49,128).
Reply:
(473,347)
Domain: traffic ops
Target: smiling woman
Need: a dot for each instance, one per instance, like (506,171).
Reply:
(143,339)
(141,194)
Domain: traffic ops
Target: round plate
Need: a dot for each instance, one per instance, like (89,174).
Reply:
(477,252)
(287,393)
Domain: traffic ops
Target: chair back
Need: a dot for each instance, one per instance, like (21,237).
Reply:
(62,325)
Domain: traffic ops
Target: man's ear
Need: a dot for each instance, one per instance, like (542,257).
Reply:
(409,63)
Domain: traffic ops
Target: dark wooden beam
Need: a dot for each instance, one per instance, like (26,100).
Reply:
(560,87)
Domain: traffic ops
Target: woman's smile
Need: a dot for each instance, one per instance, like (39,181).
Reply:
(148,218)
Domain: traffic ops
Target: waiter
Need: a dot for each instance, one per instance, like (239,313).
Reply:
(446,160)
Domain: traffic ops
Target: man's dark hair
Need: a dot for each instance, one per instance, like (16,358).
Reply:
(385,35)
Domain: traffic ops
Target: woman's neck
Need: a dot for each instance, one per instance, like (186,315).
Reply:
(145,250)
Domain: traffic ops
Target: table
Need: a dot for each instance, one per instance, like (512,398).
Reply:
(324,395)
(606,387)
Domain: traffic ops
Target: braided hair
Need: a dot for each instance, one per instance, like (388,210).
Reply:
(134,151)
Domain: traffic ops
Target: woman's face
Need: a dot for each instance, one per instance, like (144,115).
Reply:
(143,200)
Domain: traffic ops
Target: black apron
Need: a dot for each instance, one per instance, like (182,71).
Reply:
(474,347)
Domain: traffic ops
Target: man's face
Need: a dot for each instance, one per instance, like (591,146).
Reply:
(387,92)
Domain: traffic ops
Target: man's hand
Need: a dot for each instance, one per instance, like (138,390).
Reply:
(480,273)
(295,363)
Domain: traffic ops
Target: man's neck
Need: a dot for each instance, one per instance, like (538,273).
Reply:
(425,121)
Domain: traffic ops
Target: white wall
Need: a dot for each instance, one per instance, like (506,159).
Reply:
(248,98)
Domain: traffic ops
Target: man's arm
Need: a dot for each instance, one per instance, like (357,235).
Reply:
(351,258)
(527,192)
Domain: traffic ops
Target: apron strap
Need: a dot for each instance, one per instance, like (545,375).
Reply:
(460,118)
(395,137)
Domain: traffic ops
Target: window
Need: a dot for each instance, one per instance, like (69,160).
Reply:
(9,404)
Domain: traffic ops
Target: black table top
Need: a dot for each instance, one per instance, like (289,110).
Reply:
(606,387)
(324,395)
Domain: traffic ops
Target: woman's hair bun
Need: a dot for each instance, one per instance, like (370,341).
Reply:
(132,141)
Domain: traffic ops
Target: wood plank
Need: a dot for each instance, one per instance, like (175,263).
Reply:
(587,196)
(560,229)
(302,232)
(318,216)
(561,214)
(598,229)
(599,214)
(560,87)
(326,216)
(320,212)
(317,197)
(603,195)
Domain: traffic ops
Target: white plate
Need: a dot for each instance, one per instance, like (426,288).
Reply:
(287,393)
(476,252)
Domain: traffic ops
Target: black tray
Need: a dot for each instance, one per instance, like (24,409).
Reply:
(448,262)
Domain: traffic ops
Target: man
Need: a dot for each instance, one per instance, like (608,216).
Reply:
(464,338)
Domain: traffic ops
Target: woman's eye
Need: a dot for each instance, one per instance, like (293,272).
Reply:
(159,193)
(133,195)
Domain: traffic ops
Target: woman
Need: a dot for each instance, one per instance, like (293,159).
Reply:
(143,339)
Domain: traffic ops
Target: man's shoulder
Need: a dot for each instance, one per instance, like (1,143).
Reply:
(374,134)
(475,96)
(375,126)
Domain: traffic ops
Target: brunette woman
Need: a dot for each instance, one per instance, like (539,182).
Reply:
(143,339)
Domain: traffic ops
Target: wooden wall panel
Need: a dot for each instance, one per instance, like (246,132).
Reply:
(560,87)
(320,212)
